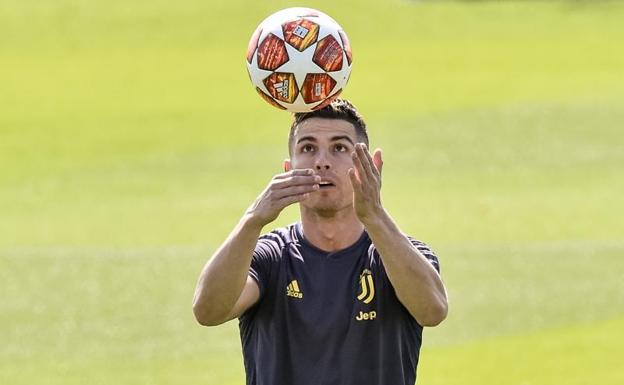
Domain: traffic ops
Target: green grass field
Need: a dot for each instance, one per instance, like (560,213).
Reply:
(131,141)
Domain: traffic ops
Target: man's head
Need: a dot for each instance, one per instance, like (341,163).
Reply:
(324,140)
(338,109)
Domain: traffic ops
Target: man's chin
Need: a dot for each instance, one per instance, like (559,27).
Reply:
(323,207)
(320,206)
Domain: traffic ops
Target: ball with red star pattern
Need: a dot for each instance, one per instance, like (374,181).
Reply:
(299,59)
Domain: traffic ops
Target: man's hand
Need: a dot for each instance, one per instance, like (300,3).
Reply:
(225,290)
(365,178)
(283,190)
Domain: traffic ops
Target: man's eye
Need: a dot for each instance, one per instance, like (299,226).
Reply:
(340,148)
(307,148)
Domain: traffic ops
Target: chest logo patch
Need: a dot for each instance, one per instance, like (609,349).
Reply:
(368,288)
(292,290)
(366,316)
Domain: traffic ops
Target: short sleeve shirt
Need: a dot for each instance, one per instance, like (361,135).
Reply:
(327,318)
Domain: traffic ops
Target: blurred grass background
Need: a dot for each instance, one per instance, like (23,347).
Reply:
(131,141)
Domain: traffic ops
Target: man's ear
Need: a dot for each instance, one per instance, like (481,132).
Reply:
(287,165)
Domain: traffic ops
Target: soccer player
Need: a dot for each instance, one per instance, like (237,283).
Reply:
(339,298)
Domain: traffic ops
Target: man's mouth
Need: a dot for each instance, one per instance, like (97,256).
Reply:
(326,184)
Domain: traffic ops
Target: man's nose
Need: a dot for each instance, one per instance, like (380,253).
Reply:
(322,163)
(320,166)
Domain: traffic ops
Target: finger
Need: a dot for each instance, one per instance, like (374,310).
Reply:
(297,181)
(353,177)
(359,167)
(367,161)
(355,182)
(295,190)
(295,172)
(377,160)
(289,200)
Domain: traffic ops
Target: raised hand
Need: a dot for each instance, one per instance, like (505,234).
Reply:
(283,190)
(365,178)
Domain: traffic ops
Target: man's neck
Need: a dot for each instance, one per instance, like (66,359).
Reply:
(331,233)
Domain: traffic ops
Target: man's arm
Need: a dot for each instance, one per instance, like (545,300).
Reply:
(224,290)
(416,282)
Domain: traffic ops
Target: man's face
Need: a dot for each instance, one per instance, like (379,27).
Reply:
(325,145)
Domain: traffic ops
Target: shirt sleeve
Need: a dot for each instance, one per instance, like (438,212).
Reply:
(427,252)
(266,253)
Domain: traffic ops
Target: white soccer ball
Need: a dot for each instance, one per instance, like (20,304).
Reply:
(299,59)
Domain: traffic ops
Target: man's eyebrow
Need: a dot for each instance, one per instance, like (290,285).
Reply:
(341,137)
(333,139)
(304,138)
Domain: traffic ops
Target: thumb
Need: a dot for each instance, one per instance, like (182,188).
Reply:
(377,161)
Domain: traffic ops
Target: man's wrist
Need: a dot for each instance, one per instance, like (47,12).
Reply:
(251,222)
(376,221)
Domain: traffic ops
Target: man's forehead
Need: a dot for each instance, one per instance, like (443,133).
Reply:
(325,128)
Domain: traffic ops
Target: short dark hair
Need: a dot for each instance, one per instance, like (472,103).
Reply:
(337,109)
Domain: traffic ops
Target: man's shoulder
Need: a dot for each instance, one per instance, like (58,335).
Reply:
(421,246)
(281,235)
(273,242)
(426,251)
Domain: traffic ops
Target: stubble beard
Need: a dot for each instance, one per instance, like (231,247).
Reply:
(327,207)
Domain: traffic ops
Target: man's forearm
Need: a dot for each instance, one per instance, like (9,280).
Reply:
(223,277)
(415,280)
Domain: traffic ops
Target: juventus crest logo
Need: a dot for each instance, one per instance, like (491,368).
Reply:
(368,288)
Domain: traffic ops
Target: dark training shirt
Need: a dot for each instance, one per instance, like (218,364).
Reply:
(327,318)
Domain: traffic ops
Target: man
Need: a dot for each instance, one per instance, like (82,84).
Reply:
(339,298)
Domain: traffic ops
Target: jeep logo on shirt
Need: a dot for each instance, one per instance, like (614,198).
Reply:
(366,316)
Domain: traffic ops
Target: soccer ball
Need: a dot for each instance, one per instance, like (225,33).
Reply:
(299,59)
